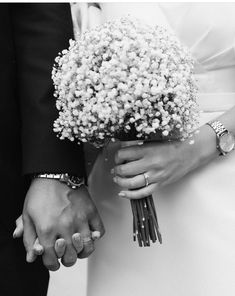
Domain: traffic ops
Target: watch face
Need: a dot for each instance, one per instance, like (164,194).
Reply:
(75,180)
(226,142)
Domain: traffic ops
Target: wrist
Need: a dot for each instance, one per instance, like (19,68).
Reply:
(225,141)
(205,145)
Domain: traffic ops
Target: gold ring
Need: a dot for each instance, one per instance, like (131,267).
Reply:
(146,179)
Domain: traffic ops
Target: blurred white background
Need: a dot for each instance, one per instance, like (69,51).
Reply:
(69,281)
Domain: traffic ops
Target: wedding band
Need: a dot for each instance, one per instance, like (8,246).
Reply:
(146,179)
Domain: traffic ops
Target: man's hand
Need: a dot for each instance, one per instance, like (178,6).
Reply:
(52,210)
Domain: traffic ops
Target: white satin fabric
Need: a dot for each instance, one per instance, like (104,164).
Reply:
(196,214)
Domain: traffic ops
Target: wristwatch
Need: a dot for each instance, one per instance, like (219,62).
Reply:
(225,141)
(73,182)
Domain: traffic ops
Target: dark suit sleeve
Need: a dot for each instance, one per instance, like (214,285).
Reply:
(40,31)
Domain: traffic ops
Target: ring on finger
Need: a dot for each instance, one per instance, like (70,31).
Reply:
(146,179)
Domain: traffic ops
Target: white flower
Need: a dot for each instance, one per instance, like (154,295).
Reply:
(121,74)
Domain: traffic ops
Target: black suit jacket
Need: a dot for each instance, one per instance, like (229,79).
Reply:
(31,35)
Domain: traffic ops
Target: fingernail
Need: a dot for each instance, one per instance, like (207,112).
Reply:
(77,237)
(60,243)
(112,171)
(115,179)
(122,194)
(95,235)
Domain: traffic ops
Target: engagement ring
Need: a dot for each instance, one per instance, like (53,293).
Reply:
(146,179)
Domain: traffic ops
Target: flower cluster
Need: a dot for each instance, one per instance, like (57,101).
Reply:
(125,74)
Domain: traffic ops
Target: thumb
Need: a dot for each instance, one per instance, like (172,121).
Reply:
(18,232)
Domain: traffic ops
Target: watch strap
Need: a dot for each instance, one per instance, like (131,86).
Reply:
(49,176)
(73,182)
(218,127)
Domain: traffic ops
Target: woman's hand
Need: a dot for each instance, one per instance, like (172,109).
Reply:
(161,162)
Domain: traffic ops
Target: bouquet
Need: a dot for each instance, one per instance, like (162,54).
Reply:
(126,80)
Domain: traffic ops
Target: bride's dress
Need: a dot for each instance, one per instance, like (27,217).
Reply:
(197,214)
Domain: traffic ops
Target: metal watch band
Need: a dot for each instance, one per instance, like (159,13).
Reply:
(218,127)
(72,181)
(49,176)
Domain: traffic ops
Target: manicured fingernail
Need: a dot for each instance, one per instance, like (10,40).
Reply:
(77,237)
(122,194)
(112,171)
(95,235)
(60,243)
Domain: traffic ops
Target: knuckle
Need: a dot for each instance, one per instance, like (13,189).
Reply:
(45,230)
(52,267)
(66,222)
(81,216)
(156,163)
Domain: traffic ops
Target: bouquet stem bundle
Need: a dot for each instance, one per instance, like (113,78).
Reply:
(145,222)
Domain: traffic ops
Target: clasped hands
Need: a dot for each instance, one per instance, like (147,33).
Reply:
(58,222)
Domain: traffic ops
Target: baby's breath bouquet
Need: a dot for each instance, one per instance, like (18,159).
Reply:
(126,80)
